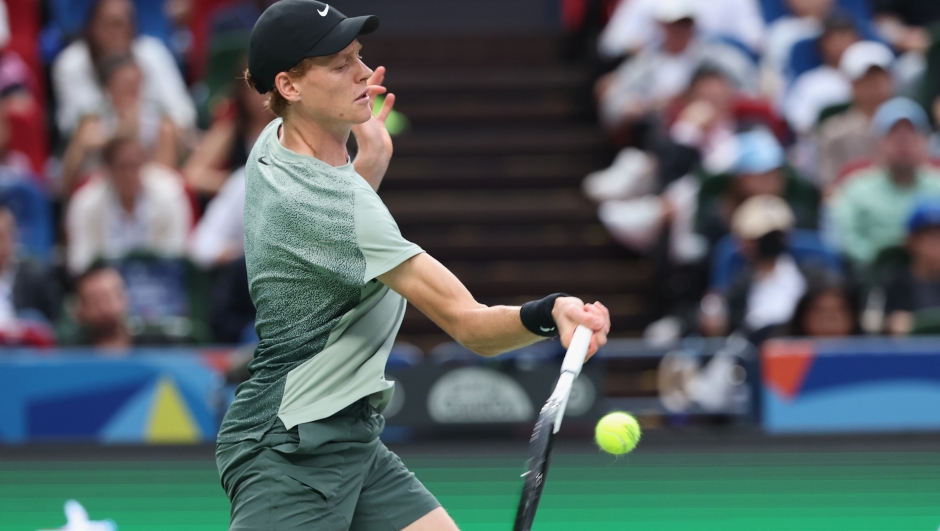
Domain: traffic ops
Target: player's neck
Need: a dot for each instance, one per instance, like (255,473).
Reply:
(307,137)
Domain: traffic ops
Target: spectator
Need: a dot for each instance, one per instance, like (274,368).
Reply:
(124,113)
(847,136)
(134,206)
(824,85)
(758,168)
(110,31)
(805,21)
(902,22)
(642,86)
(916,287)
(869,210)
(828,309)
(102,314)
(219,237)
(226,144)
(766,291)
(633,25)
(26,290)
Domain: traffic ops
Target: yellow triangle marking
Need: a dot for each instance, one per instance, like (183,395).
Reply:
(170,420)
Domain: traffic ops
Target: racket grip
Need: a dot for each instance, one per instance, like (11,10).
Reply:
(577,350)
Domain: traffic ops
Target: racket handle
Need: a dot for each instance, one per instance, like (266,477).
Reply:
(577,350)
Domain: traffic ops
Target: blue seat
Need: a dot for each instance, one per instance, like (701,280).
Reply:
(774,9)
(805,56)
(33,214)
(806,246)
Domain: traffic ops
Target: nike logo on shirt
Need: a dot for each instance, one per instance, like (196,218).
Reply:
(262,161)
(324,12)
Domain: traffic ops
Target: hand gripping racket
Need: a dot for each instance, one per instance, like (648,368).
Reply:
(547,425)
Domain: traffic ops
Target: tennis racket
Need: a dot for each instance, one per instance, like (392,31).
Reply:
(547,425)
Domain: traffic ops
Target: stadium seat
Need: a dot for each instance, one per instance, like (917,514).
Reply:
(27,119)
(774,9)
(926,322)
(806,246)
(33,214)
(25,28)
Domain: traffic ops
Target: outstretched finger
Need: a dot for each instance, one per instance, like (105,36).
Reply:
(378,76)
(375,90)
(386,107)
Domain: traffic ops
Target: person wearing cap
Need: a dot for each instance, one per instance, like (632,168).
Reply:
(825,85)
(765,292)
(847,136)
(329,274)
(643,85)
(869,209)
(757,167)
(916,287)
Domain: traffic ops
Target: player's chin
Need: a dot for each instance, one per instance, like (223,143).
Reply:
(361,113)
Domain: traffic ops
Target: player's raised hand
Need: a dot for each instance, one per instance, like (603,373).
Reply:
(569,312)
(373,139)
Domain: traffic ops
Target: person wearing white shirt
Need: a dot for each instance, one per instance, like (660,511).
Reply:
(805,21)
(219,237)
(824,85)
(644,84)
(110,31)
(633,26)
(133,207)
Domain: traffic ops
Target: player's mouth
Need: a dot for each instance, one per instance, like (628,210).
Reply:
(364,98)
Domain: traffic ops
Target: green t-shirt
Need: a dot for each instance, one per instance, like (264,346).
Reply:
(315,239)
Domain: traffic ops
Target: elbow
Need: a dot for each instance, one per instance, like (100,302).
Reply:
(477,345)
(487,351)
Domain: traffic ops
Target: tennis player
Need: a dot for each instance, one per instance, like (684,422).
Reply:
(329,273)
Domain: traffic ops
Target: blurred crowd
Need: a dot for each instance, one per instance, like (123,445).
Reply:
(124,128)
(778,160)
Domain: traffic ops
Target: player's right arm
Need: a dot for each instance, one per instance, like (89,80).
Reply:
(487,330)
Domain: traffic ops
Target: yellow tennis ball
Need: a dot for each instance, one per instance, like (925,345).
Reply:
(617,433)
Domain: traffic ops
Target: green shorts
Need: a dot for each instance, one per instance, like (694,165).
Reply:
(328,475)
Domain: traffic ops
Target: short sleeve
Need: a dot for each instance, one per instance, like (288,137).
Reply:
(378,236)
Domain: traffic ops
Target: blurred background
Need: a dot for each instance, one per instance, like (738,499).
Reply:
(751,186)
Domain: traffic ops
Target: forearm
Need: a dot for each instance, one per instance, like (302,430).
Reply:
(437,293)
(492,330)
(486,330)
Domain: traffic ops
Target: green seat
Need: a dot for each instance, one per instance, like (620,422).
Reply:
(926,322)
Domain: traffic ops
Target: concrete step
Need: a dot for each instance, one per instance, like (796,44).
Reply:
(503,140)
(523,242)
(411,172)
(489,207)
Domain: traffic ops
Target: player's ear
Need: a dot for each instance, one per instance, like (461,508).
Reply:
(286,86)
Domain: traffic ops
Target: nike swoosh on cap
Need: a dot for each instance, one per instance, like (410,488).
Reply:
(325,10)
(543,329)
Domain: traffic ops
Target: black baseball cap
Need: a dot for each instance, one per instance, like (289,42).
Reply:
(292,30)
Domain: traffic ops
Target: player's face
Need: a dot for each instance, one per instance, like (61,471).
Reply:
(335,89)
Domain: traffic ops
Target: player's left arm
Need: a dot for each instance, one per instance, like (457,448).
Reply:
(487,330)
(372,138)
